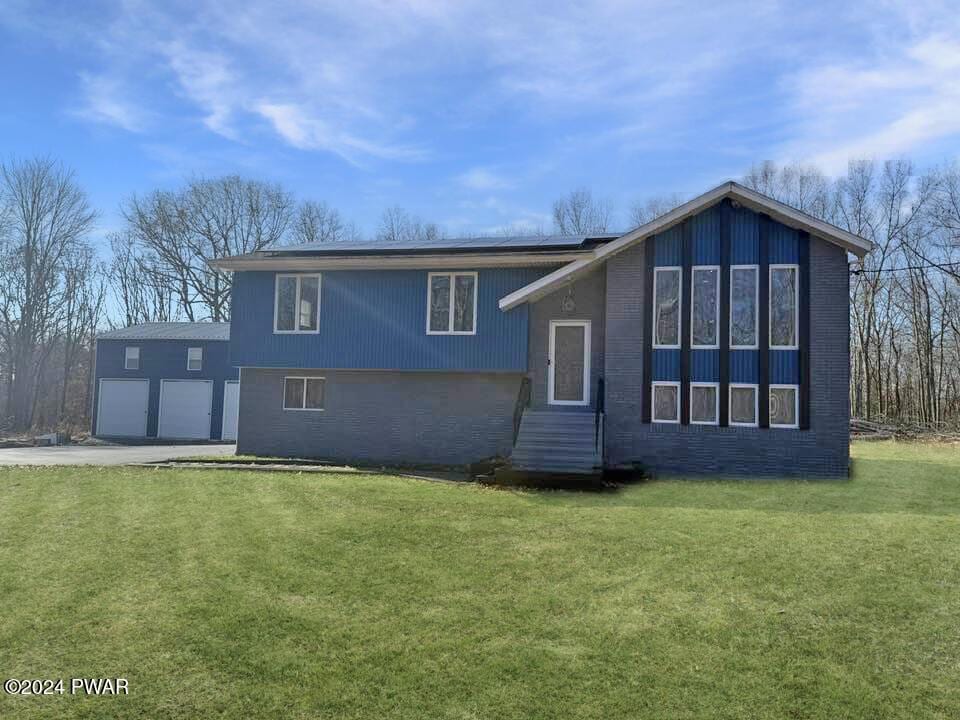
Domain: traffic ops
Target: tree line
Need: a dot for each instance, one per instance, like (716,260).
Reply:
(58,289)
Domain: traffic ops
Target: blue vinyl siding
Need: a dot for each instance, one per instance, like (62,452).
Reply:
(705,365)
(705,232)
(784,367)
(745,237)
(668,247)
(166,360)
(377,320)
(744,366)
(784,244)
(666,364)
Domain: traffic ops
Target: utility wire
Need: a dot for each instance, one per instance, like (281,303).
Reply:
(951,267)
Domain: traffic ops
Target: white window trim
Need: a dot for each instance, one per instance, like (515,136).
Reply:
(453,299)
(653,401)
(716,324)
(756,404)
(796,405)
(126,357)
(716,408)
(296,302)
(304,398)
(796,307)
(189,350)
(756,307)
(679,271)
(551,374)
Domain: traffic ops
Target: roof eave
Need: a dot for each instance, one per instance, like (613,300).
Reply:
(369,262)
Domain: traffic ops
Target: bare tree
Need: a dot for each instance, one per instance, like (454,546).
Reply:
(397,225)
(580,214)
(804,187)
(141,291)
(318,222)
(180,232)
(47,220)
(644,211)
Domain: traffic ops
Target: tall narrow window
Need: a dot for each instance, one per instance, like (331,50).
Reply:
(131,358)
(452,303)
(666,402)
(743,306)
(666,307)
(297,304)
(195,359)
(743,405)
(706,307)
(783,306)
(784,409)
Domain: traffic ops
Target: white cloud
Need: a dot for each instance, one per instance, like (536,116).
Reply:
(484,180)
(104,100)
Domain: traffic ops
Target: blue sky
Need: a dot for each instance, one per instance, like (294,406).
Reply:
(472,114)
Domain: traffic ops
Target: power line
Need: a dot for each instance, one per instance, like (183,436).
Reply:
(951,267)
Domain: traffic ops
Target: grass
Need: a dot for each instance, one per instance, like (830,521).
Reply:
(242,595)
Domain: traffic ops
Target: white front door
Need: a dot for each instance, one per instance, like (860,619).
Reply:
(568,372)
(122,408)
(185,407)
(231,408)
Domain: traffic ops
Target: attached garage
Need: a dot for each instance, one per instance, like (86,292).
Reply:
(123,408)
(185,409)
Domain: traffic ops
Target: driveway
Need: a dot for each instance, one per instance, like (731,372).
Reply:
(106,454)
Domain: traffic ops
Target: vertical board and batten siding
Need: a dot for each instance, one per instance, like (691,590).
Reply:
(165,360)
(376,320)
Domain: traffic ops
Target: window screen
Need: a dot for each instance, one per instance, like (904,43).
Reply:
(743,307)
(743,405)
(131,358)
(666,403)
(783,307)
(706,288)
(703,404)
(194,358)
(666,307)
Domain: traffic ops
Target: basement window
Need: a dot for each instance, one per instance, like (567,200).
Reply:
(297,304)
(195,359)
(131,358)
(303,393)
(666,402)
(452,303)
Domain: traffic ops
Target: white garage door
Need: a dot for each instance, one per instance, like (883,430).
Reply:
(122,408)
(231,407)
(185,409)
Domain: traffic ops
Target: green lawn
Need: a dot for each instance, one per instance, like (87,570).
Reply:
(241,595)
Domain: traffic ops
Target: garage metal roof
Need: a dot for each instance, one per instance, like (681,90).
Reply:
(170,331)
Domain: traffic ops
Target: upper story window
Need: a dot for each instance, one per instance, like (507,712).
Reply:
(666,307)
(705,322)
(131,358)
(452,303)
(783,307)
(297,304)
(195,359)
(744,297)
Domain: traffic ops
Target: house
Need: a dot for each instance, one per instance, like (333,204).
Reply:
(714,339)
(165,380)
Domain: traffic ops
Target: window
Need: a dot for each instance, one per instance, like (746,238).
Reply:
(131,358)
(452,303)
(784,406)
(744,297)
(706,307)
(743,405)
(783,307)
(297,304)
(195,358)
(303,393)
(666,402)
(704,403)
(666,307)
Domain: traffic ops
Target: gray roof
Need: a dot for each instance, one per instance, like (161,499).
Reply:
(170,331)
(497,244)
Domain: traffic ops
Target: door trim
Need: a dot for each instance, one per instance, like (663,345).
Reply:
(585,324)
(209,408)
(223,418)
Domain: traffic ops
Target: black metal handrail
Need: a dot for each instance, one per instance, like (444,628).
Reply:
(523,401)
(601,409)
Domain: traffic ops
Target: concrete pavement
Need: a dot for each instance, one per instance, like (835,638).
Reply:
(106,454)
